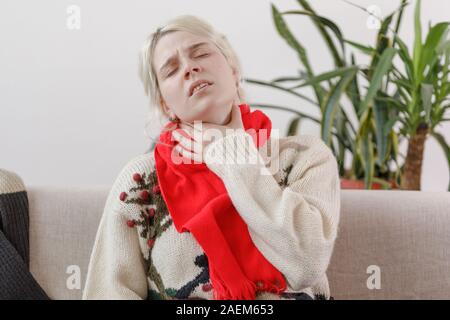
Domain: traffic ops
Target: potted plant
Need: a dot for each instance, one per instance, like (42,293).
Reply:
(373,141)
(422,93)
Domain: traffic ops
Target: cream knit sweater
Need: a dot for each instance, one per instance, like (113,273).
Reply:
(292,217)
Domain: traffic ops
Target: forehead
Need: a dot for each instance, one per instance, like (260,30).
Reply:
(175,42)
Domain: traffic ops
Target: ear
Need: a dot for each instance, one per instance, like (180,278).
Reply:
(164,106)
(237,75)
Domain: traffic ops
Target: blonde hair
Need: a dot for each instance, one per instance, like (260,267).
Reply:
(195,26)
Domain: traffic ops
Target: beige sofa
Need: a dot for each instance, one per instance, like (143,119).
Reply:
(391,244)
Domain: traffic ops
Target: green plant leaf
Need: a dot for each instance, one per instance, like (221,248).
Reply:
(392,101)
(381,115)
(383,42)
(275,86)
(381,69)
(287,79)
(444,46)
(444,145)
(406,59)
(293,127)
(287,109)
(368,159)
(364,49)
(384,28)
(399,17)
(346,142)
(427,94)
(429,49)
(417,52)
(325,76)
(404,84)
(340,130)
(389,124)
(393,138)
(322,22)
(287,35)
(331,103)
(353,89)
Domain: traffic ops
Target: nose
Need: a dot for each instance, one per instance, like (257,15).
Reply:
(191,68)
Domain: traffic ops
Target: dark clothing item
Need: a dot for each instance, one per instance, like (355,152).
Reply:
(16,281)
(14,222)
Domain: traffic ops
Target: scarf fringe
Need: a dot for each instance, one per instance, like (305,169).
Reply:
(245,291)
(272,288)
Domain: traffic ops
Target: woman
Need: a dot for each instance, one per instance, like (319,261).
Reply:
(184,222)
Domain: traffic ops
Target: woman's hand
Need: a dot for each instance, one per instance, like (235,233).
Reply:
(193,140)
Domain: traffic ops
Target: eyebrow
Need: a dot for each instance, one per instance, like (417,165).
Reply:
(190,48)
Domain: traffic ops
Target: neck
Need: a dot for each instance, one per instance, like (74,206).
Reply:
(227,119)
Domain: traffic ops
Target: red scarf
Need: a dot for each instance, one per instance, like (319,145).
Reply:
(198,202)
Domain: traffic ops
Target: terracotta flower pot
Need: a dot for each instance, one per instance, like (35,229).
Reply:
(359,184)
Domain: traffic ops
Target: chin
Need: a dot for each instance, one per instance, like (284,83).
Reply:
(212,110)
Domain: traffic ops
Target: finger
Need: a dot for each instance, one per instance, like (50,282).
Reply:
(188,155)
(185,123)
(185,135)
(184,132)
(187,131)
(197,127)
(195,135)
(184,141)
(187,143)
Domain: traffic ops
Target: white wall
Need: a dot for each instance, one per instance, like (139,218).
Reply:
(72,109)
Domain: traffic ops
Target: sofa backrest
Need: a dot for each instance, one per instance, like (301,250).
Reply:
(63,225)
(390,245)
(405,235)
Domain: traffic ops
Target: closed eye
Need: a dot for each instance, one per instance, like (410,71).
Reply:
(174,70)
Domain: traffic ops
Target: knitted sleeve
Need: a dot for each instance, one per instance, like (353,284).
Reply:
(294,226)
(117,268)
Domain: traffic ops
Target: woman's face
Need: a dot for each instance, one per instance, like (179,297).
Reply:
(181,59)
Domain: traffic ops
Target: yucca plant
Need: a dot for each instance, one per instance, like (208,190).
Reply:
(372,141)
(422,90)
(420,93)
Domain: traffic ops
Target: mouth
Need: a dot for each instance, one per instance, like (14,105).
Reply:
(199,86)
